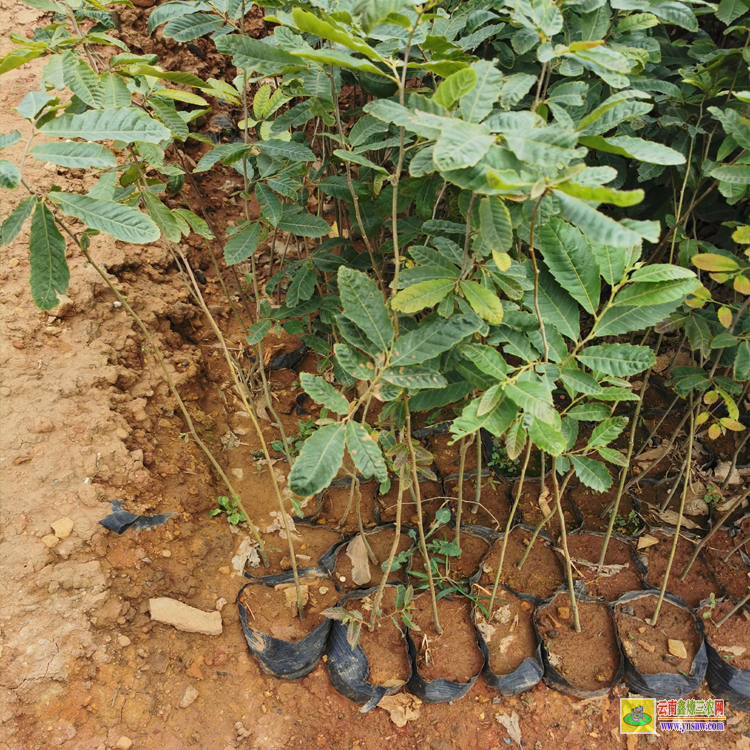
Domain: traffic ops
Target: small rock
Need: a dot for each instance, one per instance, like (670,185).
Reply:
(629,649)
(42,425)
(63,528)
(225,570)
(677,648)
(563,612)
(194,670)
(553,633)
(124,743)
(671,659)
(50,540)
(628,610)
(647,646)
(123,641)
(64,306)
(220,604)
(18,344)
(190,696)
(166,553)
(184,617)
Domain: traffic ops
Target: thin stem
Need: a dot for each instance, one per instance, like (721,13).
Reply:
(536,283)
(460,502)
(735,456)
(564,540)
(734,609)
(478,484)
(509,524)
(655,616)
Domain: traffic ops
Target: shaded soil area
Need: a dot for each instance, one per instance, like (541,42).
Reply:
(648,646)
(593,506)
(454,654)
(380,541)
(732,639)
(732,574)
(565,647)
(440,546)
(534,506)
(494,505)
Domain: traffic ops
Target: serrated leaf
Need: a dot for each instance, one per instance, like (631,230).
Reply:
(242,245)
(81,80)
(495,226)
(422,295)
(365,452)
(613,456)
(592,473)
(10,177)
(487,359)
(414,377)
(461,145)
(363,305)
(548,438)
(354,363)
(589,412)
(291,150)
(594,224)
(324,393)
(601,194)
(75,155)
(733,174)
(432,339)
(187,28)
(558,308)
(123,124)
(534,399)
(580,381)
(619,320)
(477,103)
(611,261)
(304,225)
(12,224)
(121,222)
(252,53)
(569,258)
(620,360)
(634,148)
(607,431)
(49,270)
(484,303)
(454,87)
(162,217)
(639,294)
(167,114)
(319,461)
(10,139)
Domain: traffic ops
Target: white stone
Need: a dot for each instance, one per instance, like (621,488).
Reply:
(191,694)
(63,528)
(183,617)
(124,743)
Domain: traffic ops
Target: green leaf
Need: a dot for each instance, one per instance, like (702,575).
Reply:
(414,377)
(17,58)
(613,456)
(310,23)
(431,339)
(589,412)
(304,225)
(619,320)
(289,150)
(10,177)
(363,305)
(374,12)
(612,262)
(454,87)
(195,223)
(484,303)
(167,113)
(478,102)
(10,139)
(123,124)
(251,53)
(616,394)
(734,125)
(496,421)
(365,128)
(607,431)
(569,258)
(319,461)
(324,393)
(242,245)
(742,362)
(557,307)
(601,194)
(163,218)
(187,28)
(534,399)
(733,174)
(365,452)
(619,360)
(354,363)
(639,294)
(257,331)
(15,219)
(579,381)
(495,226)
(121,222)
(76,155)
(595,225)
(363,161)
(547,146)
(340,59)
(730,10)
(113,91)
(548,438)
(49,269)
(303,285)
(592,473)
(461,145)
(487,359)
(422,295)
(81,80)
(634,148)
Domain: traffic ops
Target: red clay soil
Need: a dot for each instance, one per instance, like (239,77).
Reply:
(494,505)
(431,497)
(699,583)
(473,549)
(732,639)
(541,574)
(385,646)
(647,646)
(269,609)
(335,501)
(380,542)
(310,542)
(733,574)
(453,655)
(593,505)
(616,577)
(532,513)
(509,634)
(565,646)
(446,456)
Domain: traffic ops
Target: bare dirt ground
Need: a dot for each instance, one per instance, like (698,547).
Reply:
(85,418)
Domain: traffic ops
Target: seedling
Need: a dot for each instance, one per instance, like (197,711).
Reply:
(230,507)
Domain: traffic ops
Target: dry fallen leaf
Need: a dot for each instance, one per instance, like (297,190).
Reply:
(290,594)
(511,724)
(671,517)
(486,630)
(646,541)
(736,650)
(260,407)
(677,648)
(402,707)
(356,551)
(653,454)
